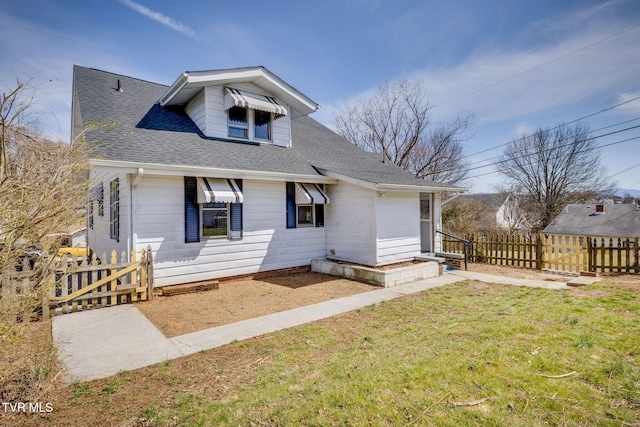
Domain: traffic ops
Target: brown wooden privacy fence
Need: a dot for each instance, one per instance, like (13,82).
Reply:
(83,284)
(554,252)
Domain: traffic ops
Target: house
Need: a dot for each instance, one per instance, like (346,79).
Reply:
(597,220)
(502,211)
(224,173)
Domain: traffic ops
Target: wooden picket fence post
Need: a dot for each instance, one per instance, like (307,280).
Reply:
(554,252)
(83,284)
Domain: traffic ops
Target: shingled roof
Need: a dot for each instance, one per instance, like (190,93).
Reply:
(149,134)
(617,220)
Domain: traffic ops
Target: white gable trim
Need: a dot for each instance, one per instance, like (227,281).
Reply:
(189,83)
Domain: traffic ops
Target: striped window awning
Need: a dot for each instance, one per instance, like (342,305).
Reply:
(241,98)
(218,190)
(310,194)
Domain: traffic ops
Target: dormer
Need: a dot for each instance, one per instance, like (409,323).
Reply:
(243,104)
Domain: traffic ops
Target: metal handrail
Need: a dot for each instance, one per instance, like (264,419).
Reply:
(465,241)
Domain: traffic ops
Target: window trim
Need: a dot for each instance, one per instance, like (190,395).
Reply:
(292,220)
(193,213)
(227,208)
(313,216)
(269,126)
(230,126)
(251,126)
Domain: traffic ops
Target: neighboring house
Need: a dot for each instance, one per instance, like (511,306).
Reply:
(597,220)
(223,173)
(504,210)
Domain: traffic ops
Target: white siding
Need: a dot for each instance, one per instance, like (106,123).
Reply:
(196,111)
(266,244)
(350,222)
(216,116)
(398,227)
(99,239)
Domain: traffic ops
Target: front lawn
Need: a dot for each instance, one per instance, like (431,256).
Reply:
(464,354)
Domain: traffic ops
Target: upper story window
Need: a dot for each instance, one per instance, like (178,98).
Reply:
(250,116)
(238,122)
(249,124)
(262,125)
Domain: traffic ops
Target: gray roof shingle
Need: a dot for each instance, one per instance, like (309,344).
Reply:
(618,220)
(148,133)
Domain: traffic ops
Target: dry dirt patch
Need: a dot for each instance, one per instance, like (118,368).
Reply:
(244,299)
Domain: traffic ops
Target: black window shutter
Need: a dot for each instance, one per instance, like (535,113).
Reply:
(319,215)
(235,212)
(91,214)
(291,205)
(101,199)
(114,212)
(191,211)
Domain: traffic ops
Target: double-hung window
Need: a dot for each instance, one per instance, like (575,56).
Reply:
(249,124)
(262,125)
(250,116)
(238,122)
(213,208)
(214,219)
(305,205)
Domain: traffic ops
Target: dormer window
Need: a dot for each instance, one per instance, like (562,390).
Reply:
(262,125)
(250,116)
(238,123)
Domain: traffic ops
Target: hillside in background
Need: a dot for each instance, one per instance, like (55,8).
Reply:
(621,192)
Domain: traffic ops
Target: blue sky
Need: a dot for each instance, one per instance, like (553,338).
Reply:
(517,65)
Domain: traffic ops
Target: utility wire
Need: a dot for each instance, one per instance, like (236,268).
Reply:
(561,146)
(567,123)
(585,150)
(540,66)
(556,127)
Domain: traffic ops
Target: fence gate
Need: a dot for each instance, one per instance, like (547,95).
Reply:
(565,253)
(81,284)
(93,284)
(554,252)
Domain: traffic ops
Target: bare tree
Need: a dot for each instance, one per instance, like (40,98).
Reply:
(43,191)
(465,217)
(551,168)
(13,107)
(396,122)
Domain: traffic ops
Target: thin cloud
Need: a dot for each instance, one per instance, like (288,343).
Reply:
(158,17)
(633,104)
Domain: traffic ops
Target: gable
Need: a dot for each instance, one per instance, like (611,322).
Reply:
(189,83)
(210,105)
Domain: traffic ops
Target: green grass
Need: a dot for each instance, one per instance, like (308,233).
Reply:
(466,354)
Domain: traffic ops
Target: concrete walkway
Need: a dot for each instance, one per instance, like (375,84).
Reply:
(99,343)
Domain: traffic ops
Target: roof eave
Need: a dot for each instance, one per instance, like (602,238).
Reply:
(187,79)
(186,170)
(174,89)
(421,188)
(384,187)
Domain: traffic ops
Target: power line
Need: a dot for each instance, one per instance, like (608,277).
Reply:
(567,123)
(561,146)
(626,170)
(553,128)
(588,149)
(539,66)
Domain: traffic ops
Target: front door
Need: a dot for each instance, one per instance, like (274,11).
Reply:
(426,230)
